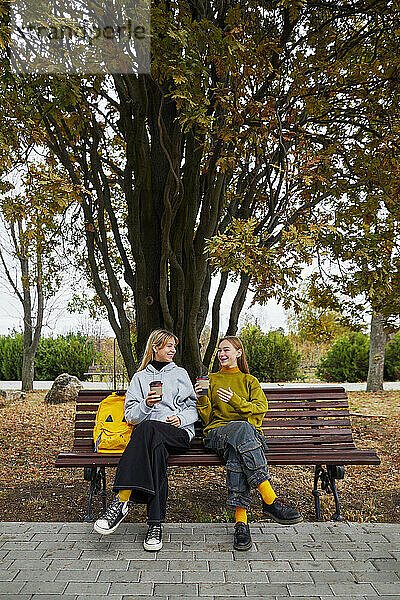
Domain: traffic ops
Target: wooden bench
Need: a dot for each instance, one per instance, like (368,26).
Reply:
(303,426)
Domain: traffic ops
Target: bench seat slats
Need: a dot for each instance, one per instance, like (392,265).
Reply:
(353,457)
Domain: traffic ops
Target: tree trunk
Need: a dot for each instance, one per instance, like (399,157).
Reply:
(378,338)
(27,370)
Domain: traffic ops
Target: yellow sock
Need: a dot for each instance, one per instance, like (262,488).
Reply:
(124,495)
(266,491)
(241,515)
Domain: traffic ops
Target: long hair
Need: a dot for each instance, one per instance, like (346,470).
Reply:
(158,338)
(238,345)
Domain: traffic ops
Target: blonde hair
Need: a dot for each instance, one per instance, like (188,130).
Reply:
(158,338)
(238,345)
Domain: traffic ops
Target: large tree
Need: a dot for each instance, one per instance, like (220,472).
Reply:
(30,257)
(240,118)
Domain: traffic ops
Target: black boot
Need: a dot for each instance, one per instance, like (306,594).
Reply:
(242,537)
(281,512)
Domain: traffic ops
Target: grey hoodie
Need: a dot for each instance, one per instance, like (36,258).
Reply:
(178,398)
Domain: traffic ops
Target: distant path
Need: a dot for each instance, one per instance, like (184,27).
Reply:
(101,385)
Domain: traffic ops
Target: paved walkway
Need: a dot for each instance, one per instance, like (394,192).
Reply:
(309,561)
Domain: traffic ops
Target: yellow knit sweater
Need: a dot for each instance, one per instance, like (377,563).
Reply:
(247,404)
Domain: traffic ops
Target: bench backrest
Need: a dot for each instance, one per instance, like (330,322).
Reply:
(307,417)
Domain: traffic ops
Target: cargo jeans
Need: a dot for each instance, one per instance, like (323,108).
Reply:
(242,448)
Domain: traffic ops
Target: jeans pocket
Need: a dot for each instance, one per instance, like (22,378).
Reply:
(236,480)
(252,454)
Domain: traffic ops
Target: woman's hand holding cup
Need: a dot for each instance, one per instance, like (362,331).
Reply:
(153,398)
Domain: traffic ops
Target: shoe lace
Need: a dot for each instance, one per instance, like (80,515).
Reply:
(154,531)
(240,527)
(113,510)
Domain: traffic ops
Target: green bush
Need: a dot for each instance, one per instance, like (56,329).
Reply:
(392,359)
(71,354)
(11,350)
(64,354)
(347,360)
(271,356)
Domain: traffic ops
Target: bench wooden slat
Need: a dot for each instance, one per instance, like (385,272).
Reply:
(302,426)
(297,404)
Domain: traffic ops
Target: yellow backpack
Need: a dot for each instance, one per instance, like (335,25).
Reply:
(111,432)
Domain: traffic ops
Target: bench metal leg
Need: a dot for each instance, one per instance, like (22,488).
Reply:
(335,472)
(327,477)
(97,478)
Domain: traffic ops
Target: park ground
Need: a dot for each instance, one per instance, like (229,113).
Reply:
(32,489)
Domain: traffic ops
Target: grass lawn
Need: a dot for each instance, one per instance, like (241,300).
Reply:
(31,489)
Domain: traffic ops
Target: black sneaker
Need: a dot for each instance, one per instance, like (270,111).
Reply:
(281,512)
(153,539)
(242,537)
(113,516)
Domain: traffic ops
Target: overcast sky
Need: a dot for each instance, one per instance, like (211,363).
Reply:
(60,321)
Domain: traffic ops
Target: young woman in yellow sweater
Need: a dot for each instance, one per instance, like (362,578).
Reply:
(232,415)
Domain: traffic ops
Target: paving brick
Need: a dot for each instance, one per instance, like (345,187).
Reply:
(386,564)
(52,597)
(332,577)
(45,536)
(74,553)
(388,589)
(30,564)
(18,545)
(221,589)
(98,565)
(69,564)
(270,565)
(352,589)
(204,577)
(44,587)
(371,555)
(8,574)
(246,577)
(132,589)
(283,546)
(114,575)
(376,576)
(89,576)
(19,597)
(214,556)
(331,555)
(265,589)
(308,589)
(353,565)
(161,577)
(23,555)
(154,565)
(86,588)
(11,587)
(38,575)
(226,565)
(294,554)
(109,555)
(286,577)
(190,565)
(315,565)
(175,590)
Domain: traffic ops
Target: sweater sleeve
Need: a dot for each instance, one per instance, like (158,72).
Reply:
(136,409)
(188,413)
(256,404)
(204,409)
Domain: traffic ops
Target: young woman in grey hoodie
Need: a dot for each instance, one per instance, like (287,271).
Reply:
(163,427)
